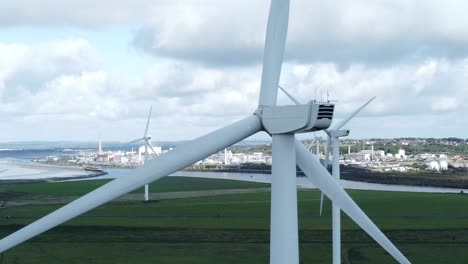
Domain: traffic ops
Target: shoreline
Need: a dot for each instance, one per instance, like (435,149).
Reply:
(351,174)
(22,171)
(53,179)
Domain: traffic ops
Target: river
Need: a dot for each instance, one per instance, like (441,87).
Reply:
(301,181)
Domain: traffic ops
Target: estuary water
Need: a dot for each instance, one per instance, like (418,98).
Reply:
(16,164)
(301,181)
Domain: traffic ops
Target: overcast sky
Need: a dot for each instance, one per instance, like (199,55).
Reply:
(77,69)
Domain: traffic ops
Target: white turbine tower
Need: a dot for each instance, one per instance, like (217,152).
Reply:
(279,121)
(336,215)
(147,139)
(317,147)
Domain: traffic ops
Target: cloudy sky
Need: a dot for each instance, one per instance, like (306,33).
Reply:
(71,70)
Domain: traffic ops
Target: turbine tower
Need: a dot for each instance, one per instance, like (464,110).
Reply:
(147,139)
(282,122)
(336,214)
(317,147)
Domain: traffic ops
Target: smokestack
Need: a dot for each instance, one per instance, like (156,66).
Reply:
(100,147)
(349,149)
(225,156)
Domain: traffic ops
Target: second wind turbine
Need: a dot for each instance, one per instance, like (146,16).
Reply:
(147,139)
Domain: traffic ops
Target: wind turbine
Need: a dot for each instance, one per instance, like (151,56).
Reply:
(317,146)
(282,122)
(147,139)
(335,130)
(335,134)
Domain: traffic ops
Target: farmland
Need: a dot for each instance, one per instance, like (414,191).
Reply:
(228,222)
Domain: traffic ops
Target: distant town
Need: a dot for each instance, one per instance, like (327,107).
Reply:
(382,155)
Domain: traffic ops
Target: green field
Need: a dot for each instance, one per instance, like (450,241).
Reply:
(232,228)
(167,184)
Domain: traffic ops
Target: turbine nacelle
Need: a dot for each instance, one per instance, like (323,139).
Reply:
(301,118)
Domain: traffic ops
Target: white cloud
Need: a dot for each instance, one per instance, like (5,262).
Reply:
(444,104)
(24,68)
(66,85)
(191,99)
(232,32)
(85,13)
(206,72)
(401,89)
(346,32)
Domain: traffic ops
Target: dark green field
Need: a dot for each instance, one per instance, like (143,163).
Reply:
(231,228)
(167,184)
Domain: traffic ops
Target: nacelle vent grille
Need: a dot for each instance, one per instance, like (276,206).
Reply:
(325,111)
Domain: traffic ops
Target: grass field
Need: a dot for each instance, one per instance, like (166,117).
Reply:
(428,228)
(167,184)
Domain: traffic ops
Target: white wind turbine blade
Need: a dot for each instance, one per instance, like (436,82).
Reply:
(136,140)
(346,120)
(151,147)
(323,180)
(289,95)
(275,42)
(311,144)
(181,157)
(147,123)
